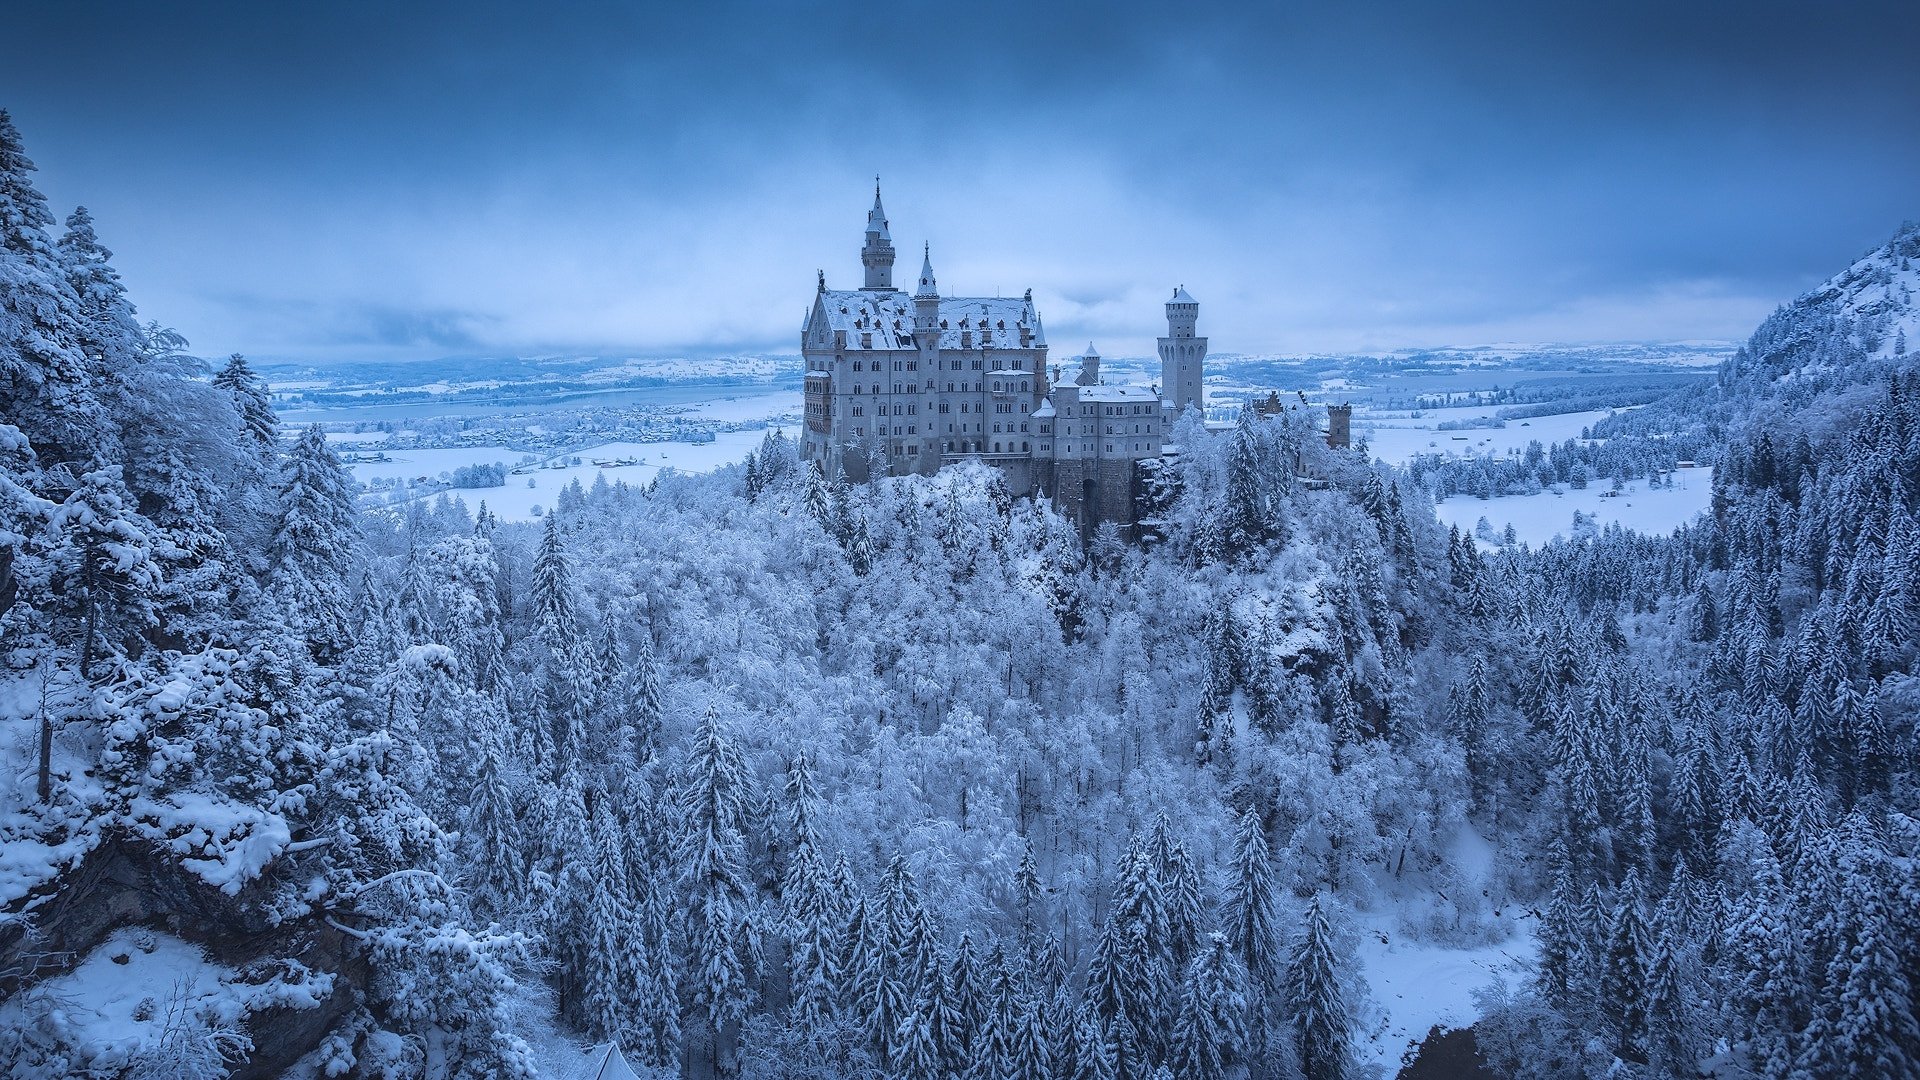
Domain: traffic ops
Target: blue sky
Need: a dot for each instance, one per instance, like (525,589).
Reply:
(387,181)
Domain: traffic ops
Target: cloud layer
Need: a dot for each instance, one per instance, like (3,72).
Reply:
(352,181)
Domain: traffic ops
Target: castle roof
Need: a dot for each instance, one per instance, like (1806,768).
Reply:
(1181,296)
(877,217)
(888,315)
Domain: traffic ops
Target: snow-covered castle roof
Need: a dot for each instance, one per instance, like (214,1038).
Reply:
(991,321)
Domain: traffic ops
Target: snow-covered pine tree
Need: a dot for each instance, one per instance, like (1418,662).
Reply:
(1323,1024)
(311,551)
(1179,881)
(715,790)
(1210,1033)
(259,424)
(101,569)
(1249,919)
(491,834)
(47,381)
(1758,960)
(613,947)
(1624,974)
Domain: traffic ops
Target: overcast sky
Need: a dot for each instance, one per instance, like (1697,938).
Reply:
(344,180)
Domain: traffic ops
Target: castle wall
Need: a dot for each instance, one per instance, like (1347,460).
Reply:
(1089,491)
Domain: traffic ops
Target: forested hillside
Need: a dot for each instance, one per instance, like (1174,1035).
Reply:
(769,775)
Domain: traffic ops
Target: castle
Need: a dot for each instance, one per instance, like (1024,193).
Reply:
(898,384)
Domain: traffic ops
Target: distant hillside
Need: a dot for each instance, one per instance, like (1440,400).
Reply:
(1848,330)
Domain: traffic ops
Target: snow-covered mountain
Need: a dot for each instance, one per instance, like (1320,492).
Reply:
(1856,326)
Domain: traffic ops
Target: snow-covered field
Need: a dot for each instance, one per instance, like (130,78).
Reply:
(1419,985)
(531,492)
(411,464)
(1537,519)
(140,988)
(1415,984)
(1397,438)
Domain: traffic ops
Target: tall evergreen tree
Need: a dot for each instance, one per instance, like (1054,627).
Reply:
(259,424)
(47,381)
(1210,1032)
(1323,1023)
(713,801)
(312,548)
(1624,978)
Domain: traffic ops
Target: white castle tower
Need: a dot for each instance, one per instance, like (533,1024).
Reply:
(877,254)
(1182,355)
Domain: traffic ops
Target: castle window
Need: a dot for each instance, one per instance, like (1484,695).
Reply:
(858,411)
(1026,447)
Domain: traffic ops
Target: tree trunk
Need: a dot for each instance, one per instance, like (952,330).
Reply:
(46,755)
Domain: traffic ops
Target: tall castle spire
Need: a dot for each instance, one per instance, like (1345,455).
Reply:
(927,287)
(877,254)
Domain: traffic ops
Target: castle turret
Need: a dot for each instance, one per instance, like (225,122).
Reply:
(1340,427)
(928,289)
(1089,367)
(1182,355)
(877,254)
(926,307)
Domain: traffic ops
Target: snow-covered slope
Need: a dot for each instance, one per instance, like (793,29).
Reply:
(1847,330)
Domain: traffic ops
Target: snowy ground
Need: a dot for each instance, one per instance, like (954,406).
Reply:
(1537,519)
(532,488)
(127,993)
(1419,984)
(1397,438)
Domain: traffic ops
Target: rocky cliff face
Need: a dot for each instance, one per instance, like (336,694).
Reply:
(283,986)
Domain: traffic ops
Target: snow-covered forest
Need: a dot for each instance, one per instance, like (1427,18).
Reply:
(764,774)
